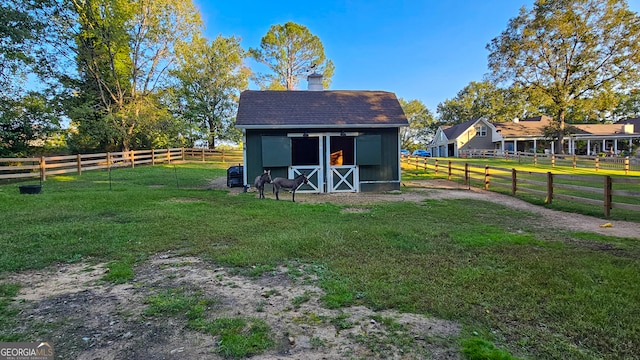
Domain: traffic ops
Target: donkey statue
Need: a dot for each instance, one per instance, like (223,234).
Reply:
(289,184)
(261,180)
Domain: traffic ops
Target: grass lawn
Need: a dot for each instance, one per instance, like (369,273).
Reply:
(500,181)
(533,291)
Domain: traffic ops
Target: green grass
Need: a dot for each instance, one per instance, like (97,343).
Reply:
(120,272)
(239,337)
(532,291)
(8,316)
(502,168)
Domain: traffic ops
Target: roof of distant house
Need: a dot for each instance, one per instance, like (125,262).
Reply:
(313,109)
(527,127)
(452,132)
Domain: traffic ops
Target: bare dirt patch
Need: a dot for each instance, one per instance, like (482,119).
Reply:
(91,319)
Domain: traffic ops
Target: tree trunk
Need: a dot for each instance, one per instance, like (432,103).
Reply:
(560,142)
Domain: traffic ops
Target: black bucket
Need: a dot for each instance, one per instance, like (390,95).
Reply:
(30,189)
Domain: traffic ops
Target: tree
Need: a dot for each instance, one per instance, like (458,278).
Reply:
(125,49)
(211,76)
(27,117)
(485,99)
(26,124)
(568,51)
(290,51)
(628,105)
(421,124)
(20,29)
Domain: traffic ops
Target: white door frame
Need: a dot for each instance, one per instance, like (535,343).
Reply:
(343,172)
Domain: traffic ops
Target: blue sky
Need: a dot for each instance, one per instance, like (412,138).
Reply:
(421,49)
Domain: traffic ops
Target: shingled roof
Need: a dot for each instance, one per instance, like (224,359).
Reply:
(531,127)
(452,132)
(313,109)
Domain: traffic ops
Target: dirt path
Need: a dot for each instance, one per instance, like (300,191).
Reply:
(91,319)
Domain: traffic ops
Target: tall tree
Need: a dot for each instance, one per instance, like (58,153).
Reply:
(125,49)
(568,50)
(485,99)
(291,52)
(421,124)
(211,76)
(27,116)
(27,123)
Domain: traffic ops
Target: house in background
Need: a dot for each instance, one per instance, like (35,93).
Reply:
(523,135)
(449,141)
(527,135)
(343,141)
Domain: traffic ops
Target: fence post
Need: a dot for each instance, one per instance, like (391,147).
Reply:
(486,177)
(169,156)
(466,174)
(153,157)
(553,160)
(535,158)
(108,160)
(182,153)
(597,163)
(43,169)
(79,161)
(202,154)
(574,161)
(514,186)
(519,158)
(607,195)
(222,156)
(549,198)
(449,172)
(626,165)
(436,167)
(506,155)
(133,161)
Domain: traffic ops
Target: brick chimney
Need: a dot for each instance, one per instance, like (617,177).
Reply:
(315,82)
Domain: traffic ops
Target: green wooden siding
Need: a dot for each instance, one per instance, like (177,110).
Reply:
(369,150)
(276,151)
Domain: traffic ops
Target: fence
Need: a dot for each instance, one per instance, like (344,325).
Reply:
(576,161)
(41,167)
(615,192)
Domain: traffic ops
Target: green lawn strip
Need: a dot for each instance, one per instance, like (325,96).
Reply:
(527,289)
(8,315)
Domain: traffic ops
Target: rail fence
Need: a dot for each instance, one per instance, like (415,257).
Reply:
(576,161)
(43,166)
(605,191)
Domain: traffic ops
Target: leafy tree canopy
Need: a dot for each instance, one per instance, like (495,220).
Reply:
(569,52)
(211,76)
(291,52)
(485,99)
(421,127)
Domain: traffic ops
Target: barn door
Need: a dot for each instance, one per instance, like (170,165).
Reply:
(306,158)
(342,172)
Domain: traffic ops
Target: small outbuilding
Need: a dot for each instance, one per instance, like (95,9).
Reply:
(343,141)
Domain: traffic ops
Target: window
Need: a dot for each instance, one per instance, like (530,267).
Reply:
(481,130)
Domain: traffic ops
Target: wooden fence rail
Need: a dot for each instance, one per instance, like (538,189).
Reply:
(614,192)
(41,167)
(576,161)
